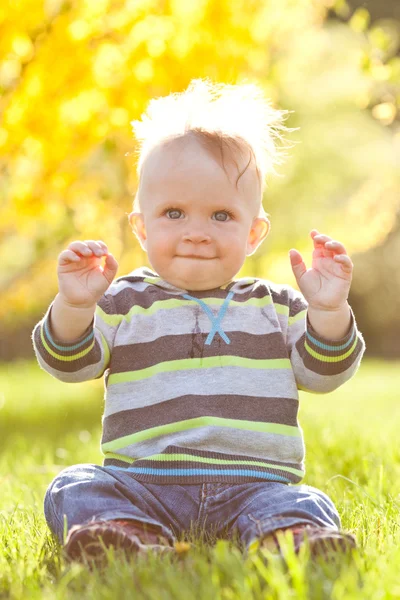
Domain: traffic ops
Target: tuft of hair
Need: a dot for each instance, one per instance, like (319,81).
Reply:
(236,116)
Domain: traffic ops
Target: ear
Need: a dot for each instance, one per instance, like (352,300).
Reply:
(258,232)
(136,221)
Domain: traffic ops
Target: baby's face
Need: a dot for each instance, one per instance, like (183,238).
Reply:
(195,225)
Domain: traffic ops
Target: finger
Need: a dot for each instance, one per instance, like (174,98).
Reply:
(315,233)
(336,247)
(321,239)
(95,247)
(345,261)
(110,268)
(80,248)
(68,256)
(320,249)
(103,245)
(297,263)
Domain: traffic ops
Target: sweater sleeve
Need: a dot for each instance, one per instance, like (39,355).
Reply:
(320,365)
(83,359)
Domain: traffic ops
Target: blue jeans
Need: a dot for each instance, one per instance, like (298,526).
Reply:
(244,511)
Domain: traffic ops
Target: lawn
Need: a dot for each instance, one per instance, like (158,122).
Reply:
(353,454)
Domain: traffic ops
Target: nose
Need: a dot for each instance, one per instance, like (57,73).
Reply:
(197,236)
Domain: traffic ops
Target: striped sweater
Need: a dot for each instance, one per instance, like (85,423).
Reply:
(202,386)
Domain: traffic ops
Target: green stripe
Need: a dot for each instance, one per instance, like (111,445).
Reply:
(330,359)
(61,356)
(260,302)
(172,428)
(106,350)
(304,389)
(152,280)
(208,362)
(121,457)
(281,309)
(114,320)
(219,461)
(301,315)
(111,320)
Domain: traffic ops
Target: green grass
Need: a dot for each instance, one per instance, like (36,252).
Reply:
(353,454)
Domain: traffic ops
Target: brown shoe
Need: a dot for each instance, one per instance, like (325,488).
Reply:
(322,541)
(88,542)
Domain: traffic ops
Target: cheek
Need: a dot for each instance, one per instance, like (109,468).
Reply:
(160,241)
(235,240)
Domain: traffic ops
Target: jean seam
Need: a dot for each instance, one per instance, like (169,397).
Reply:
(203,499)
(257,524)
(173,522)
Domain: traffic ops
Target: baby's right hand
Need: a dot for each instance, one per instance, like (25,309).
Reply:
(81,278)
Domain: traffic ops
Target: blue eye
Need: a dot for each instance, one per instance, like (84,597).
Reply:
(222,215)
(173,213)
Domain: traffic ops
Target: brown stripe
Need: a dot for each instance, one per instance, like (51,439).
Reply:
(247,291)
(243,408)
(297,306)
(280,296)
(192,345)
(222,456)
(128,297)
(207,455)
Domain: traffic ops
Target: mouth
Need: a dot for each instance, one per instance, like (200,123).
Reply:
(193,256)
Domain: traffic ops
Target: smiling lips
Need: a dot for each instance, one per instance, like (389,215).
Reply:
(196,256)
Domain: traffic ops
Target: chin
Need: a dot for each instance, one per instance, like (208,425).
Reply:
(195,284)
(194,279)
(196,287)
(200,286)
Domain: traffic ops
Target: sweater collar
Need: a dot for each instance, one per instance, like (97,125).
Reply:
(238,286)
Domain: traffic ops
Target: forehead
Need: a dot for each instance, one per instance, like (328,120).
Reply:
(185,164)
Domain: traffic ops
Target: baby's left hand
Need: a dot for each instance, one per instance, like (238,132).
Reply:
(326,284)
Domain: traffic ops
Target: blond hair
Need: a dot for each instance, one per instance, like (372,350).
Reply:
(235,118)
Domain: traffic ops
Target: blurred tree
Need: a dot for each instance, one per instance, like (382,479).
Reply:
(74,73)
(376,285)
(375,295)
(389,9)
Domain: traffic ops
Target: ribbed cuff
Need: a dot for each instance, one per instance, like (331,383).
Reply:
(64,356)
(63,348)
(329,357)
(327,347)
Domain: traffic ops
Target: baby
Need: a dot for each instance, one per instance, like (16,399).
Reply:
(202,370)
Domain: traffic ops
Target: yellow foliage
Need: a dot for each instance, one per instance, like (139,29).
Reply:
(74,74)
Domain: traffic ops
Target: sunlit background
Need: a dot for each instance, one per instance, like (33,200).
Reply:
(73,74)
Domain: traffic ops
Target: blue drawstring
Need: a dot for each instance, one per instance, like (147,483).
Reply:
(216,327)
